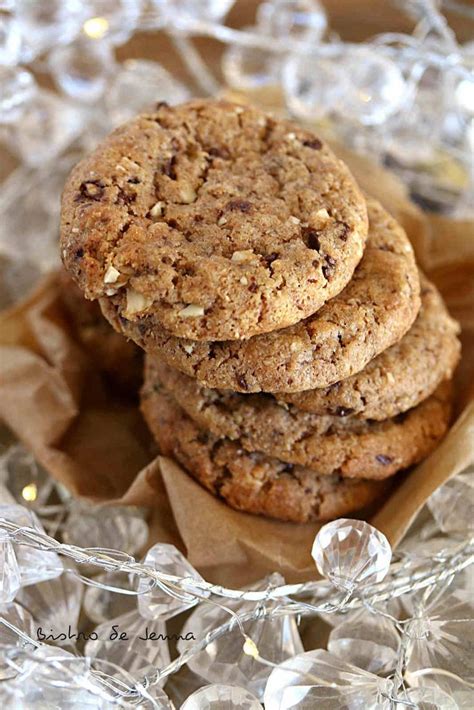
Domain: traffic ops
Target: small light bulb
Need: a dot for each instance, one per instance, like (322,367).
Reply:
(250,648)
(30,492)
(96,27)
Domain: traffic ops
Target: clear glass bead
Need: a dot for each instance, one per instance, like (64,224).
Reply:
(317,679)
(55,678)
(115,20)
(249,68)
(221,697)
(35,565)
(113,527)
(10,41)
(429,699)
(49,22)
(153,602)
(48,125)
(375,88)
(139,647)
(182,684)
(351,553)
(452,505)
(313,86)
(28,242)
(441,636)
(10,641)
(303,20)
(367,640)
(17,89)
(22,475)
(55,606)
(81,69)
(102,604)
(137,86)
(223,660)
(413,136)
(9,571)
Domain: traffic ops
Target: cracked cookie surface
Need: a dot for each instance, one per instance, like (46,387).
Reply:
(399,378)
(213,221)
(252,482)
(354,448)
(373,312)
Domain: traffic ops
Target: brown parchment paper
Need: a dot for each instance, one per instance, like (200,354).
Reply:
(55,401)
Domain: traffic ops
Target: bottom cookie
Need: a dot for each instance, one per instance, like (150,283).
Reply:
(252,482)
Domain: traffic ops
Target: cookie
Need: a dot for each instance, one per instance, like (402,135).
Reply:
(355,448)
(213,221)
(400,377)
(119,359)
(373,312)
(248,481)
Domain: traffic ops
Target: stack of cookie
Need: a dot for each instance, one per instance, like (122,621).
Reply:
(296,357)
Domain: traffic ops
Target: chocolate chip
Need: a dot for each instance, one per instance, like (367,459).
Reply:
(169,168)
(242,382)
(203,437)
(125,197)
(329,268)
(270,258)
(79,253)
(223,476)
(92,189)
(342,230)
(253,288)
(288,468)
(311,238)
(384,460)
(400,418)
(211,354)
(343,411)
(219,153)
(313,143)
(239,206)
(134,180)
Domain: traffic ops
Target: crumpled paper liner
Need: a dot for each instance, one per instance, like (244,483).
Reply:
(97,445)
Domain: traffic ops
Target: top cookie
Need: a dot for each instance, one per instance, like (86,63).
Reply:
(373,312)
(213,221)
